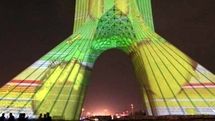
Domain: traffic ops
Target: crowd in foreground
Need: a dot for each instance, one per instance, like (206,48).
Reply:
(47,117)
(23,117)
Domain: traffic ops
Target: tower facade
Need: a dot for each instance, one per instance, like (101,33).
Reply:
(170,81)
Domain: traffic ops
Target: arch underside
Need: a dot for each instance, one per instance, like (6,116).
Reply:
(171,82)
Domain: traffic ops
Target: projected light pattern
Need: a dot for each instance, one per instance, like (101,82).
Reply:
(171,82)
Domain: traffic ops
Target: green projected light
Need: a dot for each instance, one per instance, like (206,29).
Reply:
(171,82)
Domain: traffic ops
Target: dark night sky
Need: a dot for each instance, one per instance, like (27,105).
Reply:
(30,28)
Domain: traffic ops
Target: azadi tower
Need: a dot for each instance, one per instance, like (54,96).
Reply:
(171,82)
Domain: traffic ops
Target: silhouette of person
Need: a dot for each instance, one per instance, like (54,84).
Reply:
(40,118)
(44,117)
(48,117)
(2,118)
(11,117)
(22,117)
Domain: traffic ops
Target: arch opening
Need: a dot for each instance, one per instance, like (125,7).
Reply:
(113,86)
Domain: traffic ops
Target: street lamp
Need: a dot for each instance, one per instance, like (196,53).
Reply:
(132,109)
(82,111)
